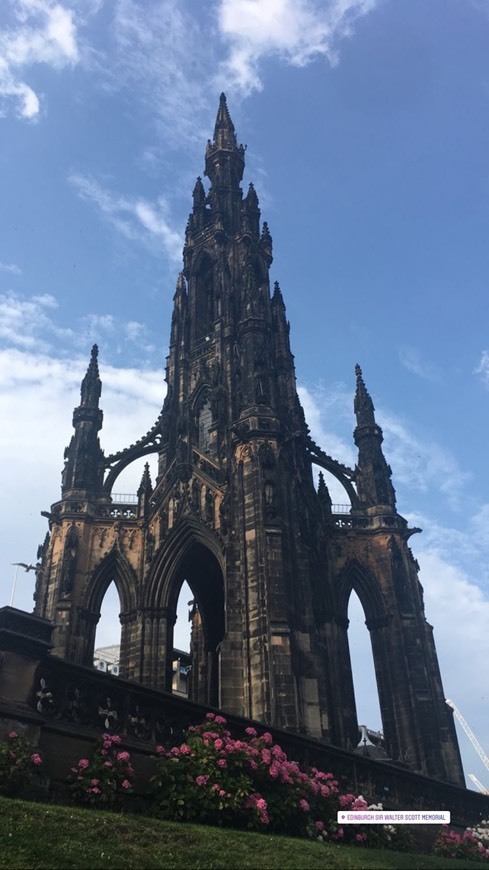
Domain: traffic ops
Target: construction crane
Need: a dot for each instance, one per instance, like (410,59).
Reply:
(470,734)
(478,783)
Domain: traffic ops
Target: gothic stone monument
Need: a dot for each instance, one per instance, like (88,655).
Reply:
(235,512)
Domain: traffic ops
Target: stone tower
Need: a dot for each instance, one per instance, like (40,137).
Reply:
(235,512)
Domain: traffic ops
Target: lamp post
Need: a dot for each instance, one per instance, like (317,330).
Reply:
(17,566)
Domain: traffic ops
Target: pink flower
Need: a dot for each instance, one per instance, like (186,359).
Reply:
(13,735)
(267,737)
(340,834)
(83,763)
(160,750)
(222,793)
(304,806)
(221,762)
(123,756)
(319,825)
(107,764)
(36,758)
(201,780)
(266,756)
(274,770)
(175,751)
(218,744)
(126,784)
(219,720)
(360,838)
(261,805)
(185,749)
(210,716)
(94,782)
(251,732)
(94,790)
(116,739)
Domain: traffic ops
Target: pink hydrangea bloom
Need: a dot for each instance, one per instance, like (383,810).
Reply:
(123,756)
(201,780)
(36,758)
(304,806)
(13,735)
(126,784)
(251,732)
(83,763)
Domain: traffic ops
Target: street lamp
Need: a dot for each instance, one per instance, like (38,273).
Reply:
(17,566)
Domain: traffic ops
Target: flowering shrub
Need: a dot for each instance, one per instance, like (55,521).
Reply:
(216,779)
(17,763)
(103,779)
(397,837)
(472,844)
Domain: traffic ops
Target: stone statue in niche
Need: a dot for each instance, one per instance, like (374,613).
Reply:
(68,569)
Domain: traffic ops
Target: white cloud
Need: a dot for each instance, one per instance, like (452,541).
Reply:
(421,464)
(25,323)
(483,367)
(418,464)
(37,395)
(135,218)
(167,57)
(43,32)
(28,323)
(296,31)
(411,359)
(11,268)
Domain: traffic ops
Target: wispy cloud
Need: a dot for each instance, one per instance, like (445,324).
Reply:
(419,464)
(295,31)
(168,58)
(483,367)
(30,324)
(41,32)
(25,322)
(135,218)
(11,268)
(411,359)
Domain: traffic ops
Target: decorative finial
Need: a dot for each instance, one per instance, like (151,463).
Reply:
(91,386)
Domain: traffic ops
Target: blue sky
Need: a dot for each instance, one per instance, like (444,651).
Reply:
(367,126)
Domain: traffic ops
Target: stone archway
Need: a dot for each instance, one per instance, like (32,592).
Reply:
(190,555)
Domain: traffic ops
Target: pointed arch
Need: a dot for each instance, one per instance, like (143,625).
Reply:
(191,553)
(112,567)
(355,576)
(171,554)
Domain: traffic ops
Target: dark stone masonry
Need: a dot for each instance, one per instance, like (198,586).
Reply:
(236,513)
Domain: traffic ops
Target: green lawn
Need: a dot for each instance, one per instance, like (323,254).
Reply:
(34,835)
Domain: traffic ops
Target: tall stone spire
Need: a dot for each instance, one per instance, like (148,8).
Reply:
(363,406)
(83,457)
(224,132)
(224,166)
(374,474)
(91,386)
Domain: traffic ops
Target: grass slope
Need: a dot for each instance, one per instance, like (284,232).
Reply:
(37,836)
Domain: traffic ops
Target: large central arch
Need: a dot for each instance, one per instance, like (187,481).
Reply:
(193,555)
